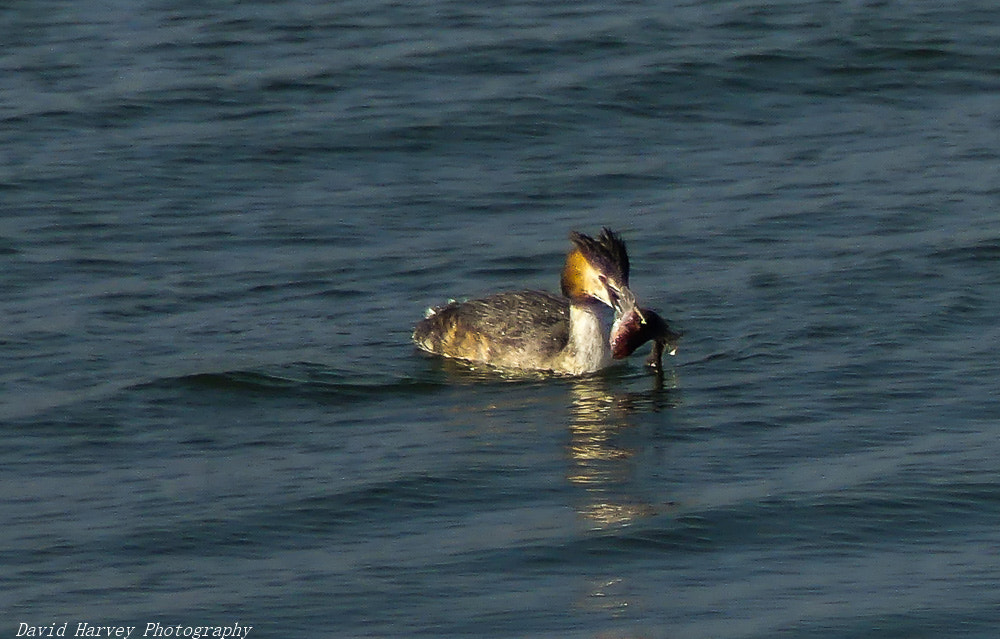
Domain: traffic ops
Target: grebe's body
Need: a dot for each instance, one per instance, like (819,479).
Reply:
(527,330)
(538,331)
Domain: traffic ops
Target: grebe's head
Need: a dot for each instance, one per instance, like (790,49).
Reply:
(598,269)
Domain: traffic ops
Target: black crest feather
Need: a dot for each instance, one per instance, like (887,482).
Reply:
(608,251)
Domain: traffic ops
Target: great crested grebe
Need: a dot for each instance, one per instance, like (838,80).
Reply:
(539,331)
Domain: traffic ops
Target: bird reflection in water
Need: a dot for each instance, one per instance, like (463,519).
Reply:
(603,465)
(600,464)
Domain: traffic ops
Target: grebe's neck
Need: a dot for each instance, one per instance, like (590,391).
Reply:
(589,335)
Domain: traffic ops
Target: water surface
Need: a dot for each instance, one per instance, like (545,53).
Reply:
(220,222)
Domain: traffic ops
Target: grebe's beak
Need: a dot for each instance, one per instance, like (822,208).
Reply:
(622,299)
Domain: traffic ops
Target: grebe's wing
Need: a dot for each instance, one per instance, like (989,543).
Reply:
(482,329)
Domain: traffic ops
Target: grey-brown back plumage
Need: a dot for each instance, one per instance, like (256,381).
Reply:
(508,325)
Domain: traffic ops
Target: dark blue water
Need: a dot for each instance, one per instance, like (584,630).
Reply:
(219,222)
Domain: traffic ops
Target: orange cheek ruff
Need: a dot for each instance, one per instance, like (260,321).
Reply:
(580,279)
